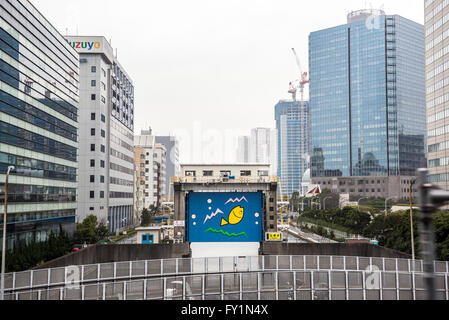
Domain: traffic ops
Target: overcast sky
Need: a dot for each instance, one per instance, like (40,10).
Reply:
(209,70)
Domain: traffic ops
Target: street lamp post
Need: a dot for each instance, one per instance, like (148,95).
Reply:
(5,214)
(358,202)
(325,202)
(386,204)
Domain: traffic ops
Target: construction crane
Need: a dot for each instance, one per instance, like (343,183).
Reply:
(298,84)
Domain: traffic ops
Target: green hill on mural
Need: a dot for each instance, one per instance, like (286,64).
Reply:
(226,233)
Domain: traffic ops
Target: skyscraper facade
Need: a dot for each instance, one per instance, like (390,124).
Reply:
(293,146)
(242,155)
(39,88)
(367,98)
(262,148)
(106,184)
(437,84)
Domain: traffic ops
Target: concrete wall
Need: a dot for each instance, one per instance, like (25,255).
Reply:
(119,253)
(330,249)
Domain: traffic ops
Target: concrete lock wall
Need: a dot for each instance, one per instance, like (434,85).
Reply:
(119,253)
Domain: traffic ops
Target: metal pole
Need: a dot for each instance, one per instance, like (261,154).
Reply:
(426,233)
(5,214)
(412,231)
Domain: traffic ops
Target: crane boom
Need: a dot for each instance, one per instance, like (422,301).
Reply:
(298,62)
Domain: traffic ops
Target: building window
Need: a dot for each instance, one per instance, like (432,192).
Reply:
(103,133)
(92,163)
(93,97)
(91,208)
(92,147)
(190,173)
(92,179)
(93,83)
(208,173)
(103,118)
(102,163)
(92,194)
(92,132)
(101,179)
(93,69)
(103,148)
(101,194)
(92,116)
(245,173)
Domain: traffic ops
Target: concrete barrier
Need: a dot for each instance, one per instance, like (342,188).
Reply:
(331,249)
(125,252)
(119,253)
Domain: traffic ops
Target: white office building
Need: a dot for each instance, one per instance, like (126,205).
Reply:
(106,154)
(151,164)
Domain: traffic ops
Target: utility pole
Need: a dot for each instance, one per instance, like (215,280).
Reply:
(412,231)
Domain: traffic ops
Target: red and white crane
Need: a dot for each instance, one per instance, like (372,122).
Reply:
(299,84)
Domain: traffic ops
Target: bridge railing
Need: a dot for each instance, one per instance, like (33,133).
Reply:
(268,285)
(126,271)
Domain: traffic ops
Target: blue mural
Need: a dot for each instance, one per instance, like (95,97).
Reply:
(224,217)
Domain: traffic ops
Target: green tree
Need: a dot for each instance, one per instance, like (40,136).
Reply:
(146,218)
(441,224)
(90,231)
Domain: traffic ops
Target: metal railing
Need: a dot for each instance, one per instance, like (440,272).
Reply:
(138,270)
(270,285)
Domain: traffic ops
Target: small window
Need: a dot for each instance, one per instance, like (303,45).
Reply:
(245,173)
(101,179)
(190,173)
(92,163)
(103,133)
(101,194)
(93,69)
(103,148)
(93,83)
(91,208)
(93,116)
(208,173)
(93,97)
(103,118)
(92,147)
(92,179)
(92,194)
(92,132)
(102,164)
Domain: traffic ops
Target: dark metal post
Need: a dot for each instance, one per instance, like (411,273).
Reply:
(427,209)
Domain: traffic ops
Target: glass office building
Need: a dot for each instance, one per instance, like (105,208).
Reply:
(367,97)
(293,131)
(38,124)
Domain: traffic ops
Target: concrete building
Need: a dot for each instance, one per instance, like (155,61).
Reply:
(293,144)
(39,109)
(172,163)
(263,147)
(367,97)
(396,188)
(437,84)
(150,160)
(106,184)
